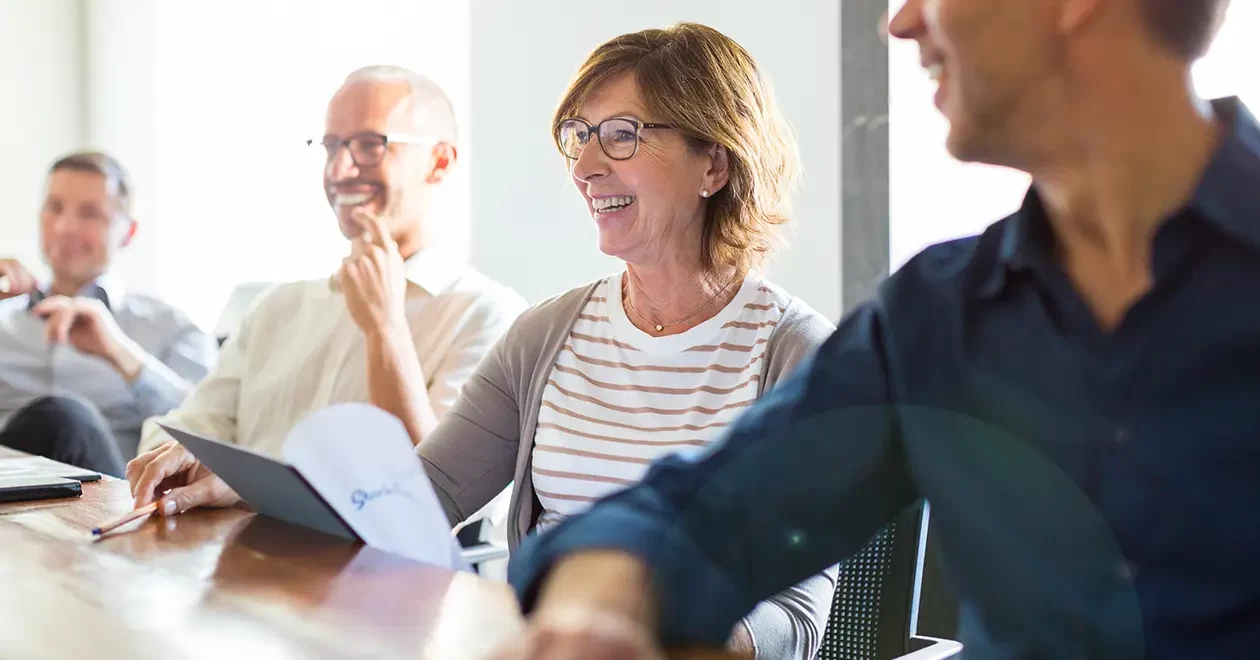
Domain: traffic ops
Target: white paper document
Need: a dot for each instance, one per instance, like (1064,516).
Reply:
(31,466)
(362,463)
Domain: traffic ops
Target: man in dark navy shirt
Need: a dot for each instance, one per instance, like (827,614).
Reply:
(1076,391)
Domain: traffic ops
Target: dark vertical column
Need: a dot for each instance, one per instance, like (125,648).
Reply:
(864,150)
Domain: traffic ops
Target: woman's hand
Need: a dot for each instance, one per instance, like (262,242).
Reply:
(172,467)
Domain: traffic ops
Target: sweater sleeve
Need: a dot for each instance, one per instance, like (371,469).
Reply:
(472,454)
(791,623)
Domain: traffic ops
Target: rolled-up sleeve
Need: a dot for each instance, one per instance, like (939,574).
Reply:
(801,481)
(212,405)
(485,322)
(166,380)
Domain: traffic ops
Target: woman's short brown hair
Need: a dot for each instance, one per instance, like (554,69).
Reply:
(710,88)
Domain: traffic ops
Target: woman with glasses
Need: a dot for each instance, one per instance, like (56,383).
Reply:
(686,164)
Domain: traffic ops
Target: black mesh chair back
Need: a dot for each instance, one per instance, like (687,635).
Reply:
(871,615)
(871,608)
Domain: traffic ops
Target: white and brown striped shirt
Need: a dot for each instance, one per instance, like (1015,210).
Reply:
(618,399)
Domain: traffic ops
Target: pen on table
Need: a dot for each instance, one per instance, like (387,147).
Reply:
(138,513)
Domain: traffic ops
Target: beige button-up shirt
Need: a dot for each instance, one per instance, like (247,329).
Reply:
(298,350)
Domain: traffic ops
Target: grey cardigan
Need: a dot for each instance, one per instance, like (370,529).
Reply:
(485,442)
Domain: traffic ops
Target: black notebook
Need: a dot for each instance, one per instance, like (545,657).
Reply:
(19,488)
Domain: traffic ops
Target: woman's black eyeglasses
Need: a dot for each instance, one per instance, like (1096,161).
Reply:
(618,136)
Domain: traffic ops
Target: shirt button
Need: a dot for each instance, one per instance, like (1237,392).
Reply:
(1121,436)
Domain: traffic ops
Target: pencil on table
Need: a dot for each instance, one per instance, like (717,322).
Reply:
(138,513)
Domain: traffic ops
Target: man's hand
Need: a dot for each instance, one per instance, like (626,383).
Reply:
(172,467)
(373,280)
(581,633)
(87,325)
(15,280)
(594,605)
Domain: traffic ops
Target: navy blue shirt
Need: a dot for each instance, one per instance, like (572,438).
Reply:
(1096,493)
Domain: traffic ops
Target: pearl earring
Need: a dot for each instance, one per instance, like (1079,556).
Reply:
(704,193)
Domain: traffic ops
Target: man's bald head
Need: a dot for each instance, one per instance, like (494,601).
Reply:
(431,111)
(390,139)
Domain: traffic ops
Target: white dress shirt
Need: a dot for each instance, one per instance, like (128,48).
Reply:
(298,350)
(178,354)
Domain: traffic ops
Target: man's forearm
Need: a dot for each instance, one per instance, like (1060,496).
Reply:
(609,580)
(127,358)
(396,381)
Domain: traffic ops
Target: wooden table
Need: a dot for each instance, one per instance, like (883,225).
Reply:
(224,585)
(227,584)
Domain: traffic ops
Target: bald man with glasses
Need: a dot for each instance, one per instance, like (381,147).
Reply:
(401,325)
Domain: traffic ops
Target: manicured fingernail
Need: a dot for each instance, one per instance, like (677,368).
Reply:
(168,507)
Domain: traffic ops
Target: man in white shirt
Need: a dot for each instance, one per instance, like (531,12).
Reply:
(402,325)
(82,362)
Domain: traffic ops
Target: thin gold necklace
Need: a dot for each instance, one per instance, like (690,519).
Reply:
(660,327)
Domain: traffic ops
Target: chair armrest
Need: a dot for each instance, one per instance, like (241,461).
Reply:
(940,648)
(484,552)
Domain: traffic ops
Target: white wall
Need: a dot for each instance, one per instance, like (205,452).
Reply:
(174,89)
(41,78)
(121,115)
(210,103)
(932,196)
(1230,67)
(530,226)
(935,198)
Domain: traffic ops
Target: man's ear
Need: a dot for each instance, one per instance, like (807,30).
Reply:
(130,235)
(444,157)
(1075,14)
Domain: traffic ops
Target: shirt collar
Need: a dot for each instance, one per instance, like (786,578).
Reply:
(108,288)
(433,270)
(1023,241)
(1227,197)
(430,269)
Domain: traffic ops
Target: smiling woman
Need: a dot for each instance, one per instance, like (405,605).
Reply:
(757,148)
(686,164)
